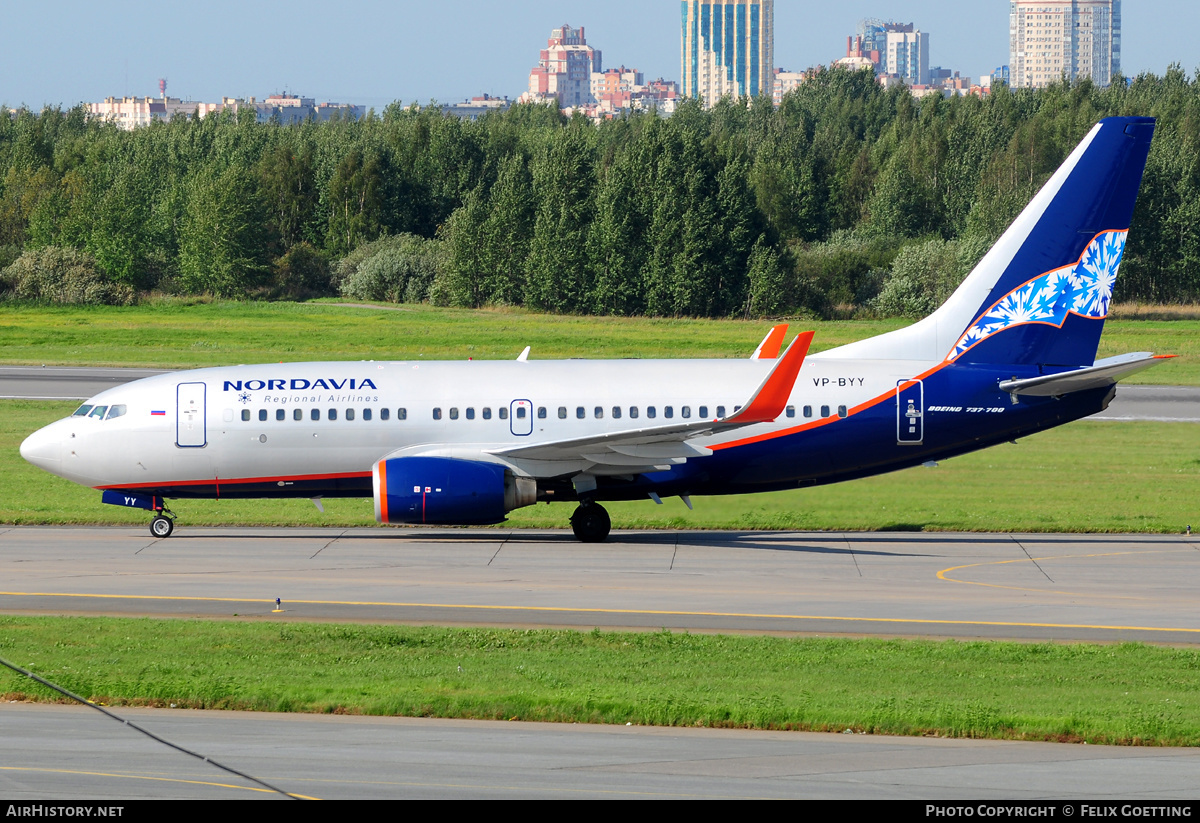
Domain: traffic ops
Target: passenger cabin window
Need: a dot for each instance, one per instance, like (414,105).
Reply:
(503,413)
(685,412)
(616,412)
(598,412)
(720,411)
(487,412)
(470,413)
(453,413)
(385,414)
(332,415)
(650,412)
(842,411)
(541,412)
(315,415)
(82,411)
(668,412)
(824,411)
(437,414)
(280,414)
(808,411)
(704,412)
(349,414)
(297,414)
(562,412)
(401,414)
(262,414)
(366,414)
(633,412)
(245,414)
(520,412)
(790,411)
(580,412)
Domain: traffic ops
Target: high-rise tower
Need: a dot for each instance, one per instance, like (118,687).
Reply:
(1052,39)
(564,69)
(727,48)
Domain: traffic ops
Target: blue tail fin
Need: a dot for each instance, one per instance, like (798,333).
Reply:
(1040,295)
(1053,271)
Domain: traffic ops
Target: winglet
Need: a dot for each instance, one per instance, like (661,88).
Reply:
(523,356)
(769,400)
(768,349)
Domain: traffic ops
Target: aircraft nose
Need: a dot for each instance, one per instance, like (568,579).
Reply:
(43,449)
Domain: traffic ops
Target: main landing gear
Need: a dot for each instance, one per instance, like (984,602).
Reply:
(163,523)
(591,523)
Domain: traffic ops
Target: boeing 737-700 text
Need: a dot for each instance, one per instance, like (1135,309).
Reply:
(1010,353)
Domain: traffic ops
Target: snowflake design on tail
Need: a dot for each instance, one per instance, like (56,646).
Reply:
(1083,288)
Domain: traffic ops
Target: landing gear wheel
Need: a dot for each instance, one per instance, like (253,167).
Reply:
(591,523)
(162,526)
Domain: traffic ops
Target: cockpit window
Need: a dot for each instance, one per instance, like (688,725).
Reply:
(115,411)
(82,410)
(98,412)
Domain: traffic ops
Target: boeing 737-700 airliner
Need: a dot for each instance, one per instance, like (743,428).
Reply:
(1010,353)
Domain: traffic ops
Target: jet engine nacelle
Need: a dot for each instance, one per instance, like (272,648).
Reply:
(447,491)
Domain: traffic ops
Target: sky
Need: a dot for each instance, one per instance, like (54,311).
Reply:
(62,52)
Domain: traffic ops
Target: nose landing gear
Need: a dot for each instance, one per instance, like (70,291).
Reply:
(591,523)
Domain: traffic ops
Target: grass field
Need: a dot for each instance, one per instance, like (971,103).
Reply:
(1124,694)
(181,334)
(1088,476)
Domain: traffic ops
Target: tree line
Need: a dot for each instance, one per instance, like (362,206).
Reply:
(847,197)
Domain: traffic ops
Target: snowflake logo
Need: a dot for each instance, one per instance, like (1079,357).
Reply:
(1084,288)
(244,397)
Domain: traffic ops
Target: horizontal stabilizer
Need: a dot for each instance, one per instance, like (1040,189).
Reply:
(1103,373)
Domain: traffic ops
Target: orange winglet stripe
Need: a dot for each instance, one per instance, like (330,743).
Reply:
(770,400)
(1164,356)
(769,348)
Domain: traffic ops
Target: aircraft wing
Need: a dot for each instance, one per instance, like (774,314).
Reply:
(655,448)
(1104,372)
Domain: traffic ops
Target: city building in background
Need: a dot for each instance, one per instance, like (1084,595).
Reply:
(785,81)
(896,49)
(727,48)
(618,90)
(907,55)
(1052,40)
(131,112)
(289,108)
(476,107)
(564,70)
(615,83)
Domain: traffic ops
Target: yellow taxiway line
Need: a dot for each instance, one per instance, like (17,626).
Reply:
(652,612)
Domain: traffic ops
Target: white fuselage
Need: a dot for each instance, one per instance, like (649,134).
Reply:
(305,420)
